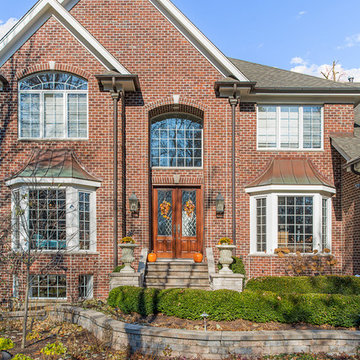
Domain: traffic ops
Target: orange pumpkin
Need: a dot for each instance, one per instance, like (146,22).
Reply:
(198,257)
(152,257)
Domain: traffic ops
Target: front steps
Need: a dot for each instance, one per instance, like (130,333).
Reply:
(176,274)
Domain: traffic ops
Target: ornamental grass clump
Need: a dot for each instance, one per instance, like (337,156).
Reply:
(6,344)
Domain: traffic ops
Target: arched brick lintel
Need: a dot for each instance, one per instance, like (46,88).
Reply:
(56,67)
(168,104)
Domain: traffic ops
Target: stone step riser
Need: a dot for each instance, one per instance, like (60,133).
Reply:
(177,287)
(178,282)
(176,273)
(177,268)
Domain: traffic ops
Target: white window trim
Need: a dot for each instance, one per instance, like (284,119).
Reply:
(278,135)
(272,220)
(42,113)
(72,219)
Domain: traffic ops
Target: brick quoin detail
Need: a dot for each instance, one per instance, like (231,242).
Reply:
(167,64)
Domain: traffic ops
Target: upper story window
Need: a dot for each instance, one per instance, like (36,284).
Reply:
(53,105)
(290,127)
(176,141)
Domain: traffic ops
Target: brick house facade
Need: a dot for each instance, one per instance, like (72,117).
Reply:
(177,69)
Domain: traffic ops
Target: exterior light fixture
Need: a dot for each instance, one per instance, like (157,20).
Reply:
(220,205)
(134,204)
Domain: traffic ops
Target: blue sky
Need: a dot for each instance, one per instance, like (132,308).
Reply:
(303,35)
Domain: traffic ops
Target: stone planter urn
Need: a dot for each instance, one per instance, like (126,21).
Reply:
(226,252)
(127,257)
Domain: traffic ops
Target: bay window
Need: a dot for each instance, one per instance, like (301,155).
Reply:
(54,218)
(53,105)
(297,221)
(290,127)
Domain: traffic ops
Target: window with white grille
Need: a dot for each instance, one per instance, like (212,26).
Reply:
(53,105)
(289,127)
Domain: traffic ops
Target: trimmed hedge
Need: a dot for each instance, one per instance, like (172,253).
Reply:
(226,305)
(344,285)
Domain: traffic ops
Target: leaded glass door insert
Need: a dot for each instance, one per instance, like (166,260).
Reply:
(177,226)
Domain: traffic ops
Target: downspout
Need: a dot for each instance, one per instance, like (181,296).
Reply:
(116,95)
(123,164)
(234,101)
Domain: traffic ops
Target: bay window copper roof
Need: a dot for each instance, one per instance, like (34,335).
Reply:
(282,171)
(58,163)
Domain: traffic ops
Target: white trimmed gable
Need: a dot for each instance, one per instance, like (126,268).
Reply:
(38,15)
(44,9)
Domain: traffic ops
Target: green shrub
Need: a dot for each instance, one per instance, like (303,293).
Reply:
(21,357)
(6,344)
(345,285)
(118,268)
(54,349)
(237,266)
(226,305)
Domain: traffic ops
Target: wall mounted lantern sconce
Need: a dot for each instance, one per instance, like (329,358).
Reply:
(220,205)
(134,204)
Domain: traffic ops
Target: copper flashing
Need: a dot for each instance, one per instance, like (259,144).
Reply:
(282,171)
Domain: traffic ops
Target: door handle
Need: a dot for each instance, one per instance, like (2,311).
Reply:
(175,229)
(178,229)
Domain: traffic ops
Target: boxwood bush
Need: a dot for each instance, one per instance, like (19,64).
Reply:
(345,285)
(226,305)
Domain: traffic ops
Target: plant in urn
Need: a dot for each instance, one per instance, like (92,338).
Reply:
(127,245)
(226,247)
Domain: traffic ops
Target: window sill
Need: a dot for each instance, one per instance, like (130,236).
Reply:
(175,168)
(63,252)
(287,255)
(52,139)
(288,150)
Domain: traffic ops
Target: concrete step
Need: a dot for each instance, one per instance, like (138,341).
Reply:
(172,272)
(175,286)
(177,266)
(176,274)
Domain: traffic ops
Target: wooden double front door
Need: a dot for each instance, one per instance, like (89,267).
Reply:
(177,222)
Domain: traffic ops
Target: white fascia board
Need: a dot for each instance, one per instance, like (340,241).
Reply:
(197,39)
(31,181)
(38,15)
(291,188)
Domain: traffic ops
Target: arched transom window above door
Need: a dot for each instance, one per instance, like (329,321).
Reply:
(176,141)
(53,105)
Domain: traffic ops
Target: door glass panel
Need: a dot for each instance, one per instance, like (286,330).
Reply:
(165,212)
(189,213)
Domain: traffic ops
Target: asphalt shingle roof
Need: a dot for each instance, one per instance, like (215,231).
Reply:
(348,146)
(267,77)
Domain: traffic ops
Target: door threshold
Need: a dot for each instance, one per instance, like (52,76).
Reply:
(175,260)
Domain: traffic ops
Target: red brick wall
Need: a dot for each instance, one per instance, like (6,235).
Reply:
(148,45)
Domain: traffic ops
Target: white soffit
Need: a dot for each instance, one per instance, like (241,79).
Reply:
(198,39)
(38,15)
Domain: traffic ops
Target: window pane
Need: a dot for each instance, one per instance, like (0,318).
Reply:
(295,223)
(266,126)
(85,286)
(77,115)
(176,141)
(165,211)
(84,220)
(261,225)
(312,127)
(54,115)
(30,115)
(289,127)
(47,219)
(325,243)
(48,286)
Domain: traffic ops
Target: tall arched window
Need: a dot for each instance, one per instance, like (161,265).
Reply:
(53,105)
(176,141)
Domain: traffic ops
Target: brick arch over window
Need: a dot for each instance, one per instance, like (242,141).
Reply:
(58,67)
(167,105)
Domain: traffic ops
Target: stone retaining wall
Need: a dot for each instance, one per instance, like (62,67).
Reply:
(211,344)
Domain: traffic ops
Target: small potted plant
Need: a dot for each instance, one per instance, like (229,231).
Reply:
(127,245)
(226,247)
